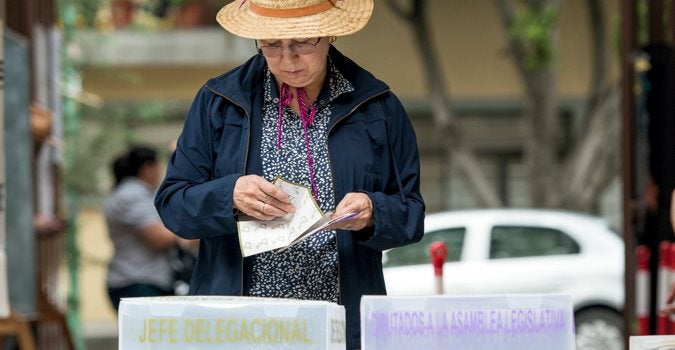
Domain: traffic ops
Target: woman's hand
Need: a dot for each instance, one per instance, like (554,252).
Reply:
(358,203)
(257,197)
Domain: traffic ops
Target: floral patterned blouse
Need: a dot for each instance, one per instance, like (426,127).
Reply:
(308,270)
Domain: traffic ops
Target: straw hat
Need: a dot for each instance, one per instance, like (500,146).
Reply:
(290,19)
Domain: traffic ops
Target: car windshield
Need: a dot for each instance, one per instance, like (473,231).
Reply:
(418,253)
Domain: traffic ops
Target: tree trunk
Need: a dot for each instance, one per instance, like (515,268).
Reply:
(595,159)
(441,108)
(541,151)
(599,64)
(592,162)
(542,106)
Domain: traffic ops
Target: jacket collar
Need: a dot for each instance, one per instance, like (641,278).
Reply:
(241,84)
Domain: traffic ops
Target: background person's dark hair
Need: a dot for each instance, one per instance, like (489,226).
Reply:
(119,169)
(130,163)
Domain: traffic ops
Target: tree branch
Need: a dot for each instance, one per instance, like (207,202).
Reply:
(532,59)
(395,7)
(598,57)
(507,15)
(442,111)
(595,159)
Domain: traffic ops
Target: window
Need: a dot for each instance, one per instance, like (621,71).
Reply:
(520,241)
(418,253)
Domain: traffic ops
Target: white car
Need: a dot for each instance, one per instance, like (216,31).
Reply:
(495,251)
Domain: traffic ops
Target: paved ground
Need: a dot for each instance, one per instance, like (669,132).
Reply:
(100,336)
(101,343)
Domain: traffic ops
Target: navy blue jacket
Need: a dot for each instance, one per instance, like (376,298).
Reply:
(372,149)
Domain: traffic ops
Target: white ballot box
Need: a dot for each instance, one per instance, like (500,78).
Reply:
(504,322)
(652,342)
(213,322)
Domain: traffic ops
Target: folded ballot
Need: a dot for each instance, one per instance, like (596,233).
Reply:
(257,236)
(215,322)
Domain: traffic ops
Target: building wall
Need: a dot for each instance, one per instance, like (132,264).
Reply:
(19,181)
(4,294)
(468,35)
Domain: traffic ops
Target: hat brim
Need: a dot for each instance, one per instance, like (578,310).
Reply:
(345,17)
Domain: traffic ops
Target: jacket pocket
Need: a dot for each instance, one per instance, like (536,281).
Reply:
(228,144)
(365,142)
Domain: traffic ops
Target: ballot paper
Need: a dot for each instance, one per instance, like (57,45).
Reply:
(256,236)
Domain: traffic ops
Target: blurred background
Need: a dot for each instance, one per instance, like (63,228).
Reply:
(533,103)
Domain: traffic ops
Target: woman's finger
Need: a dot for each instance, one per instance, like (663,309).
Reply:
(257,197)
(354,202)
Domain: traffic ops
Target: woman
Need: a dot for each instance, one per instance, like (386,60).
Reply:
(302,111)
(140,263)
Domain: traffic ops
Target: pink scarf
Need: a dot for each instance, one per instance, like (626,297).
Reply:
(307,118)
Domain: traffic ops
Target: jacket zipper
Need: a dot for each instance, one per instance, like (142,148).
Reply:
(330,164)
(248,140)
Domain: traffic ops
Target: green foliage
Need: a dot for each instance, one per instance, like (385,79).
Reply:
(89,10)
(70,77)
(532,28)
(104,133)
(89,155)
(179,2)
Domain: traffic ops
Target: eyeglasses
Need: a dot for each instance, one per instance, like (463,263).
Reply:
(297,48)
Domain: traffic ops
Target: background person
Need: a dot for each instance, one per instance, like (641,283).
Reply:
(302,111)
(140,264)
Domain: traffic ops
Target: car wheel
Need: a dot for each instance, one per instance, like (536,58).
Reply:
(599,329)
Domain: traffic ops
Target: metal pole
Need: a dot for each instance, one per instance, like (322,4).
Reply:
(438,252)
(628,46)
(656,28)
(672,22)
(68,15)
(4,294)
